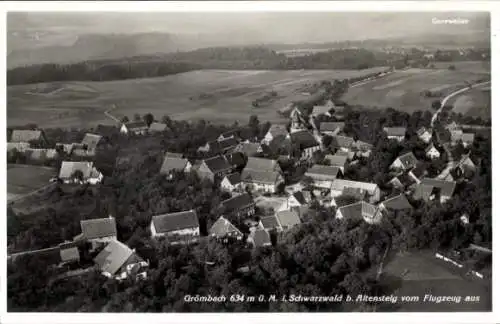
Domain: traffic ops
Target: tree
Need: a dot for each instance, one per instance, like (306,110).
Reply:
(253,121)
(436,104)
(148,119)
(77,175)
(137,117)
(125,119)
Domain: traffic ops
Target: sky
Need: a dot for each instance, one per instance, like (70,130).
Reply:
(264,27)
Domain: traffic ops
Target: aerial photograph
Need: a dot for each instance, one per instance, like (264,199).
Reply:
(194,162)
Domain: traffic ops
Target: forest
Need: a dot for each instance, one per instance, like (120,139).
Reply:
(323,256)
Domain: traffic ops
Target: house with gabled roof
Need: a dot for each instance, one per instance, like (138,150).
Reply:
(331,128)
(178,227)
(433,189)
(342,143)
(349,154)
(457,136)
(371,190)
(262,164)
(223,229)
(39,154)
(424,134)
(464,167)
(362,149)
(156,127)
(27,136)
(219,146)
(287,219)
(18,146)
(402,181)
(249,149)
(173,164)
(306,143)
(323,175)
(264,181)
(322,109)
(232,182)
(214,168)
(360,210)
(98,230)
(418,172)
(276,130)
(69,252)
(404,162)
(396,203)
(239,206)
(259,238)
(91,142)
(270,223)
(432,152)
(296,199)
(397,133)
(337,160)
(135,127)
(119,262)
(79,172)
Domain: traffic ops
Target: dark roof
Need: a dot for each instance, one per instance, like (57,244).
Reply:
(342,141)
(395,131)
(222,227)
(260,237)
(399,202)
(269,222)
(430,147)
(419,171)
(304,139)
(358,210)
(234,178)
(237,202)
(337,160)
(331,126)
(301,198)
(107,130)
(136,125)
(217,164)
(357,193)
(235,159)
(231,133)
(175,221)
(404,179)
(113,257)
(262,164)
(97,228)
(408,160)
(427,185)
(266,177)
(288,218)
(172,163)
(226,143)
(324,170)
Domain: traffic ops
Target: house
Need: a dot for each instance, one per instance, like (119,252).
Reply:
(98,230)
(249,149)
(36,154)
(270,223)
(173,164)
(119,262)
(371,189)
(66,148)
(342,143)
(262,164)
(362,149)
(464,166)
(331,128)
(287,219)
(107,130)
(349,154)
(418,172)
(234,133)
(236,160)
(137,128)
(432,152)
(397,133)
(296,199)
(396,203)
(18,146)
(402,181)
(232,182)
(265,181)
(214,168)
(27,136)
(177,227)
(239,206)
(360,210)
(306,143)
(79,172)
(90,143)
(323,175)
(404,162)
(220,147)
(424,134)
(223,229)
(157,127)
(274,131)
(69,252)
(433,189)
(259,238)
(339,161)
(322,109)
(457,135)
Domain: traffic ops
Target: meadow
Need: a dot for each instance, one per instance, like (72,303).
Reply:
(23,179)
(403,90)
(220,96)
(475,102)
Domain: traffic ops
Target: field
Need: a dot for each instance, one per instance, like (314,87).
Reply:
(216,95)
(418,274)
(475,102)
(23,179)
(402,90)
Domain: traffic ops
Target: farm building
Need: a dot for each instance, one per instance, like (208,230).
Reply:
(397,133)
(232,182)
(396,203)
(98,230)
(464,168)
(432,152)
(239,206)
(306,143)
(236,160)
(223,228)
(262,164)
(339,161)
(424,134)
(401,181)
(264,181)
(259,238)
(79,172)
(220,146)
(137,128)
(322,109)
(177,227)
(404,162)
(35,154)
(214,168)
(433,189)
(287,219)
(360,211)
(323,175)
(120,262)
(296,199)
(91,141)
(69,252)
(331,128)
(18,146)
(371,190)
(342,143)
(27,136)
(157,127)
(270,223)
(457,136)
(275,131)
(172,164)
(249,149)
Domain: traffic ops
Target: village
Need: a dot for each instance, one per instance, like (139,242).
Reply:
(261,205)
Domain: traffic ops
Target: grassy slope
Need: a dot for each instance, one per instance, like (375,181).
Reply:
(22,179)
